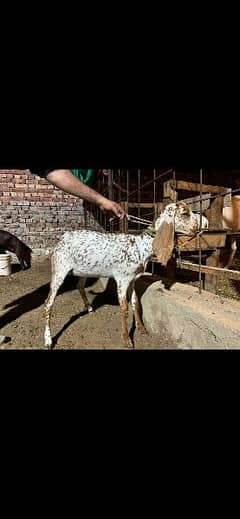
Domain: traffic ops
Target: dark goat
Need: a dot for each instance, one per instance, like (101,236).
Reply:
(10,243)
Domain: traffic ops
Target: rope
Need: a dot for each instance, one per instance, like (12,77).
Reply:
(135,219)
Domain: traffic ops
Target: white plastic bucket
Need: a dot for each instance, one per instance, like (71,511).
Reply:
(5,264)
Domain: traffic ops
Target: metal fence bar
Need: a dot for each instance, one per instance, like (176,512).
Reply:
(200,247)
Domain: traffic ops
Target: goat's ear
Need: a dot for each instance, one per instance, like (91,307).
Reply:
(207,213)
(163,244)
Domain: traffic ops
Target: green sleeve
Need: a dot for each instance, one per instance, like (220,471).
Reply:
(87,176)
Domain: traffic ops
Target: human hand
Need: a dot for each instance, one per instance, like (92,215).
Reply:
(108,206)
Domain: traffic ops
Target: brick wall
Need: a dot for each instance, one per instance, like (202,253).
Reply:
(38,213)
(35,211)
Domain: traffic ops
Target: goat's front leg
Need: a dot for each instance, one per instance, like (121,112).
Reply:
(58,277)
(135,307)
(81,285)
(22,263)
(122,297)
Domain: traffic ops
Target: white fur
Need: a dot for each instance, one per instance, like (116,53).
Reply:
(123,257)
(185,221)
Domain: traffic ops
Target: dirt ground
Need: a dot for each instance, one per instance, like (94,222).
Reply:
(22,296)
(230,288)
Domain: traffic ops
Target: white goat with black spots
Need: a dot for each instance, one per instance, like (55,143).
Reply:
(123,257)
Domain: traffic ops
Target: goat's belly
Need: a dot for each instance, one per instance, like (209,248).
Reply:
(96,273)
(104,266)
(105,271)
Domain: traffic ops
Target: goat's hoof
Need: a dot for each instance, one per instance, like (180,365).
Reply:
(47,341)
(48,346)
(142,330)
(90,309)
(127,342)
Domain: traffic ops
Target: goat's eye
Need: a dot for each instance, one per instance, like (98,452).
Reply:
(184,210)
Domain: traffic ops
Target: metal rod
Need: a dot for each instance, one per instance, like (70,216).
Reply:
(111,195)
(127,195)
(139,196)
(174,186)
(154,187)
(120,189)
(135,218)
(151,181)
(141,220)
(120,192)
(154,201)
(199,236)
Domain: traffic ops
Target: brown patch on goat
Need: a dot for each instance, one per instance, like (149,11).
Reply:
(163,244)
(124,315)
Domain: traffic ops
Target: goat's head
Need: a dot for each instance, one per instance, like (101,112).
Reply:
(176,217)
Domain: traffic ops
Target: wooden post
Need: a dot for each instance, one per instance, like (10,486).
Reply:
(211,281)
(169,195)
(216,214)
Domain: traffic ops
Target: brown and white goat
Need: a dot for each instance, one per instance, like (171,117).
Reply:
(230,222)
(123,257)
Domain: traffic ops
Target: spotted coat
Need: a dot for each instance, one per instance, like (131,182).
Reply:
(123,257)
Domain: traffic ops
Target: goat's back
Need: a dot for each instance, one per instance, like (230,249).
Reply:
(101,254)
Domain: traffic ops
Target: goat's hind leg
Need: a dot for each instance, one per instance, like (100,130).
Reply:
(81,285)
(58,276)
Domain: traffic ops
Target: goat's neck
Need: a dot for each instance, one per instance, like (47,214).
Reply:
(145,242)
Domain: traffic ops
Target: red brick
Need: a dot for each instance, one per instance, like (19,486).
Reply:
(32,208)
